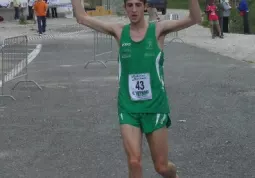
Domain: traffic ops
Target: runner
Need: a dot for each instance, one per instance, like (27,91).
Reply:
(142,99)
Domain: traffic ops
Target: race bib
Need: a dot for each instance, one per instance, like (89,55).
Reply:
(140,86)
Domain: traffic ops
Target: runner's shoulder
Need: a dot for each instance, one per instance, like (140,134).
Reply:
(118,27)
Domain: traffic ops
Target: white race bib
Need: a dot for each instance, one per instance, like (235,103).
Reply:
(140,86)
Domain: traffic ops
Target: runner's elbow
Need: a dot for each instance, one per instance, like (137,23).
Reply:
(80,20)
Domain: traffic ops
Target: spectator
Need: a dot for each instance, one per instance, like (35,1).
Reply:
(41,8)
(244,11)
(30,9)
(54,13)
(226,14)
(220,15)
(213,18)
(16,5)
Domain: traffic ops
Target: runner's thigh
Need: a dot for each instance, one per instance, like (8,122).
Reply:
(132,140)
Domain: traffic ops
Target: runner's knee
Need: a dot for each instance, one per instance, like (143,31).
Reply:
(135,163)
(164,169)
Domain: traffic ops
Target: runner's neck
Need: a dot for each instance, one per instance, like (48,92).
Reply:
(139,26)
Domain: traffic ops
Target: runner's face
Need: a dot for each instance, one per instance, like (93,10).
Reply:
(135,10)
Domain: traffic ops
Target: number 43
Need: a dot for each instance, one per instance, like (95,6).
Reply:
(139,85)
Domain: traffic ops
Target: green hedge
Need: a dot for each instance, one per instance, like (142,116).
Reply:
(236,21)
(181,4)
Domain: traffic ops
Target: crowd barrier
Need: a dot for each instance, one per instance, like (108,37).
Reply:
(102,45)
(174,36)
(14,63)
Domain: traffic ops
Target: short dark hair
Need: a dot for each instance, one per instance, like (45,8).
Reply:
(144,1)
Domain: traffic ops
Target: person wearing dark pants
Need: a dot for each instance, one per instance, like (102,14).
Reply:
(244,11)
(54,13)
(220,15)
(226,14)
(41,21)
(41,8)
(246,27)
(225,24)
(16,5)
(30,9)
(30,12)
(16,13)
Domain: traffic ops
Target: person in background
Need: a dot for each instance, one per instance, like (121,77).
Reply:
(16,5)
(244,11)
(226,14)
(213,18)
(41,8)
(220,15)
(54,13)
(30,9)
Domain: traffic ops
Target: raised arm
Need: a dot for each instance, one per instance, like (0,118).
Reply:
(98,25)
(167,26)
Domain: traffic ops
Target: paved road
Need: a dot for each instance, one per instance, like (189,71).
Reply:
(70,129)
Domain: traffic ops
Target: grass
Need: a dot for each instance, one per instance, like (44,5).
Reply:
(250,62)
(182,4)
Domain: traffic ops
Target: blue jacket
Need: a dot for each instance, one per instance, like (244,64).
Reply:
(243,6)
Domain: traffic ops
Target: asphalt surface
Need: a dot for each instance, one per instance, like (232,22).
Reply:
(70,128)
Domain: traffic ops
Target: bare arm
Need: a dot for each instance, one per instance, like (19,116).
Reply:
(98,25)
(167,26)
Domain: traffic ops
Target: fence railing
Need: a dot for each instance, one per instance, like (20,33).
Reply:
(174,36)
(102,45)
(14,63)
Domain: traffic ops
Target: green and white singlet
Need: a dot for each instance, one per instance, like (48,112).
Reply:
(141,76)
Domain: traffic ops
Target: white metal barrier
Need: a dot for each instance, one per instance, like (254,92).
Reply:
(174,35)
(14,63)
(102,45)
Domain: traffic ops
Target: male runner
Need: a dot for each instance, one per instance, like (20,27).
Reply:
(142,99)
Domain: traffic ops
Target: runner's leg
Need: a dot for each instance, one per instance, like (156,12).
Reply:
(158,144)
(132,141)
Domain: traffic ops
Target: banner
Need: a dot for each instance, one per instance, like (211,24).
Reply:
(7,3)
(4,3)
(53,2)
